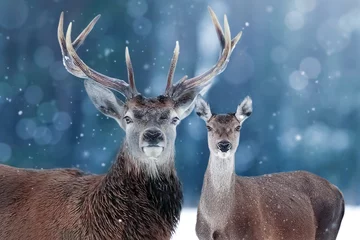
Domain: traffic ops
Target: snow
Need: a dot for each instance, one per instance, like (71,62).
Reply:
(349,229)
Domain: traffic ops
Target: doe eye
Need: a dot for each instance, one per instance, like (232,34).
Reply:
(128,120)
(209,128)
(238,128)
(175,120)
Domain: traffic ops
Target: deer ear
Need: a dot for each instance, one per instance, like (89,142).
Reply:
(244,110)
(202,109)
(104,99)
(184,105)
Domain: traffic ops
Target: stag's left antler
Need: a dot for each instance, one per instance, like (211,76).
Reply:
(78,68)
(196,84)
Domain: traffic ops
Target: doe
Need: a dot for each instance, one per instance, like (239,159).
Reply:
(290,206)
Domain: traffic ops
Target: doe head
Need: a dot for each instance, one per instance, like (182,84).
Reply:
(149,123)
(223,129)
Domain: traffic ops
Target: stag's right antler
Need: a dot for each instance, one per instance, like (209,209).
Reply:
(196,84)
(78,68)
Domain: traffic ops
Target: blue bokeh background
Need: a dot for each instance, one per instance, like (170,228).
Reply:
(297,59)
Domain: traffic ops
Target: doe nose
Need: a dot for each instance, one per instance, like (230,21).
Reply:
(224,146)
(153,136)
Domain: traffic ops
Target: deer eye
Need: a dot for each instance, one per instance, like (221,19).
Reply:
(175,120)
(238,128)
(209,128)
(128,120)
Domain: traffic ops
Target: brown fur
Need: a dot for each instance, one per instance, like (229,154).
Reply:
(295,206)
(68,204)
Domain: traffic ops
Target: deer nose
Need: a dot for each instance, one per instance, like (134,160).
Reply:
(153,136)
(224,146)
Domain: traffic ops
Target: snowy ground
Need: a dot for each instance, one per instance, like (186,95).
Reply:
(350,229)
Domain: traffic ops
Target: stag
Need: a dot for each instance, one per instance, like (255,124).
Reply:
(140,197)
(291,206)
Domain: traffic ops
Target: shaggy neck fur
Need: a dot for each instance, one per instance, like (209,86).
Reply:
(131,204)
(164,165)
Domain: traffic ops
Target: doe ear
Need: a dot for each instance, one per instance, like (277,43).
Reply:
(202,108)
(244,110)
(104,99)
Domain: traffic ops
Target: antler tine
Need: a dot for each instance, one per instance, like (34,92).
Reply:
(227,45)
(130,71)
(172,67)
(80,39)
(220,33)
(82,36)
(218,28)
(77,67)
(70,67)
(235,40)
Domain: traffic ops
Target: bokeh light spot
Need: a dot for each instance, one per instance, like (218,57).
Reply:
(5,152)
(279,54)
(5,91)
(294,20)
(44,56)
(298,80)
(42,136)
(13,14)
(305,5)
(137,8)
(340,140)
(311,66)
(57,71)
(142,26)
(33,94)
(62,121)
(25,128)
(331,37)
(46,112)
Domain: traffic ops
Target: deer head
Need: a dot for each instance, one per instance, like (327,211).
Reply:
(149,123)
(223,129)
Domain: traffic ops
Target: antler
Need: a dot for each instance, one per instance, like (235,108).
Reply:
(196,84)
(172,67)
(78,68)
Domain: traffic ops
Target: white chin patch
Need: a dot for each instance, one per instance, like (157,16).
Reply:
(223,154)
(153,152)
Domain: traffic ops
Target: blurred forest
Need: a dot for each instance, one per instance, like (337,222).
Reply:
(297,59)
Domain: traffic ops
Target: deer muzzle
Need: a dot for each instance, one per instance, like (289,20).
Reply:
(153,142)
(224,146)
